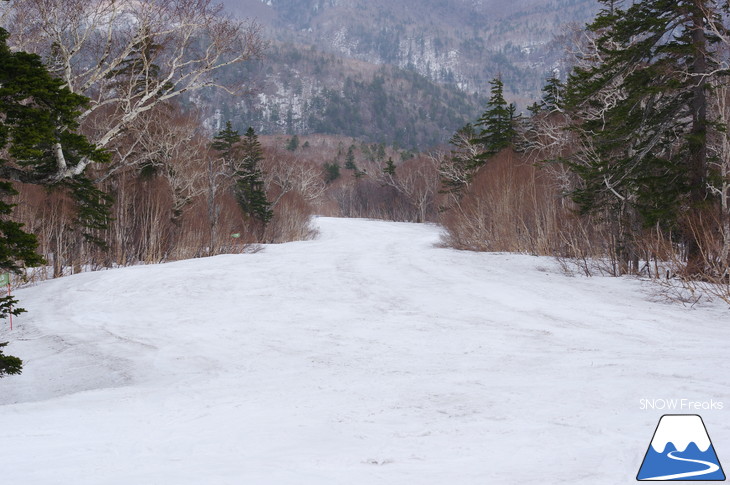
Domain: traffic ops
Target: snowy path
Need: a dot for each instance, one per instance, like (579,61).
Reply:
(366,356)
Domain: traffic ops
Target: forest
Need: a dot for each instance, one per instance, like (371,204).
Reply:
(621,168)
(303,90)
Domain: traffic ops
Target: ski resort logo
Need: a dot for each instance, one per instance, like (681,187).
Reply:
(681,450)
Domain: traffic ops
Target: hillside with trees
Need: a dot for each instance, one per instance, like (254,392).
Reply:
(455,42)
(298,90)
(623,169)
(425,65)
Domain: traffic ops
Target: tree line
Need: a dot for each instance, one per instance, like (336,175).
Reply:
(625,163)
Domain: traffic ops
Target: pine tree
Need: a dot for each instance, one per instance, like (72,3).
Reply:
(389,168)
(249,188)
(9,364)
(138,72)
(642,111)
(225,140)
(350,159)
(553,94)
(497,123)
(293,143)
(39,121)
(331,171)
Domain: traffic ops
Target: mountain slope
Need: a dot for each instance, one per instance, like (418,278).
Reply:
(302,90)
(366,356)
(410,72)
(460,42)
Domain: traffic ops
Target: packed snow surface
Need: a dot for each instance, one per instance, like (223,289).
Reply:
(368,355)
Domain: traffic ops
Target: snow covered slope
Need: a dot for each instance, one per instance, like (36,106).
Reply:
(367,356)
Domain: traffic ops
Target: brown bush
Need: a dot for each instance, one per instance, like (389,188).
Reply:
(291,221)
(509,206)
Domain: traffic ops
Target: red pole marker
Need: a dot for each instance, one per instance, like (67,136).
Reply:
(5,280)
(11,311)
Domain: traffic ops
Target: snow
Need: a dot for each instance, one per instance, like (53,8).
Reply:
(369,355)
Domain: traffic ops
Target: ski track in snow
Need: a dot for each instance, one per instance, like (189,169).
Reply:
(369,355)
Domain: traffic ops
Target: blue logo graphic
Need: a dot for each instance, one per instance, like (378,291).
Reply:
(681,450)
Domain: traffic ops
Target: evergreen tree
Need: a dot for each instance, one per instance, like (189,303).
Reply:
(9,364)
(225,140)
(535,108)
(331,171)
(39,120)
(643,113)
(17,248)
(293,143)
(350,159)
(497,123)
(249,188)
(553,94)
(389,168)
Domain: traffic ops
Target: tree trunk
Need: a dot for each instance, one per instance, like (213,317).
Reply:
(697,143)
(212,210)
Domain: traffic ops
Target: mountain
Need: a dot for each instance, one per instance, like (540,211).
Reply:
(455,46)
(299,90)
(462,42)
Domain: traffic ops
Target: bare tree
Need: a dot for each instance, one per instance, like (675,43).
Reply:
(284,173)
(417,180)
(171,147)
(218,178)
(720,147)
(129,56)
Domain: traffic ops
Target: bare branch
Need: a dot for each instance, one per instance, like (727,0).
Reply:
(130,56)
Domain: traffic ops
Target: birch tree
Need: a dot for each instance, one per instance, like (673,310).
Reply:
(129,56)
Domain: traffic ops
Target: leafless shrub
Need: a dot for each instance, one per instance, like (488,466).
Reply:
(509,206)
(670,263)
(291,221)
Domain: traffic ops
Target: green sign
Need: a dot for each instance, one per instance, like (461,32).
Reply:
(236,235)
(4,279)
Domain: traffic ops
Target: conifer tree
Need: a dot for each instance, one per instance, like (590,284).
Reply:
(137,72)
(389,168)
(497,123)
(350,159)
(249,189)
(553,94)
(331,171)
(39,119)
(293,143)
(9,364)
(37,129)
(643,112)
(473,148)
(225,140)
